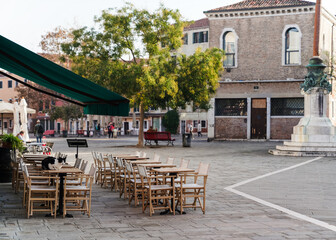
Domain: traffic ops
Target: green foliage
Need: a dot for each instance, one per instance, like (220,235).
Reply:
(198,77)
(171,121)
(66,112)
(12,141)
(152,76)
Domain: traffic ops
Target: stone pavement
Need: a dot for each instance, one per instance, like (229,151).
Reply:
(306,189)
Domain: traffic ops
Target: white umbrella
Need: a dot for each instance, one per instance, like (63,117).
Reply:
(24,120)
(16,112)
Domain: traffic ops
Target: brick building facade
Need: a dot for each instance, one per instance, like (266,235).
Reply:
(267,45)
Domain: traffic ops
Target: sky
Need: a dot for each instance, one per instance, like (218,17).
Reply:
(25,21)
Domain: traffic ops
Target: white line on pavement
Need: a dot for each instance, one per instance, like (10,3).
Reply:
(277,207)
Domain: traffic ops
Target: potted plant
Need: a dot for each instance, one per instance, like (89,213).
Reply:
(8,142)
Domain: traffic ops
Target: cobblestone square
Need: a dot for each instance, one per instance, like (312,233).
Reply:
(252,209)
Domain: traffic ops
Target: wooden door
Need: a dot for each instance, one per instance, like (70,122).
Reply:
(258,119)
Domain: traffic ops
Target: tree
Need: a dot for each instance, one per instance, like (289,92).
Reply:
(35,99)
(152,77)
(66,112)
(51,45)
(171,121)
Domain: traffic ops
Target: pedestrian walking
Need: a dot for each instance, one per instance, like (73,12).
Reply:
(199,129)
(38,131)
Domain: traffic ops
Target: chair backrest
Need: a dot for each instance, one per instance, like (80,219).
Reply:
(120,162)
(170,160)
(203,169)
(184,163)
(142,171)
(83,167)
(25,170)
(94,156)
(111,161)
(78,162)
(92,170)
(156,158)
(128,167)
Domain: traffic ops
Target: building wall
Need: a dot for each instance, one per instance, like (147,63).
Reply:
(240,127)
(282,128)
(259,89)
(260,43)
(191,47)
(7,93)
(230,128)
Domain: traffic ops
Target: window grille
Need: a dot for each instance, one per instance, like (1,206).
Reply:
(287,107)
(231,107)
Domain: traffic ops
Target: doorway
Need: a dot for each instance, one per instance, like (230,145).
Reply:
(126,127)
(258,118)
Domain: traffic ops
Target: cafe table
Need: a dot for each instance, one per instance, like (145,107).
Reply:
(35,158)
(157,165)
(62,172)
(134,158)
(145,162)
(172,172)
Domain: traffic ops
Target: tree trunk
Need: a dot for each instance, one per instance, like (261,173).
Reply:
(141,129)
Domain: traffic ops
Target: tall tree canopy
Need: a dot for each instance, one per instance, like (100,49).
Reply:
(133,52)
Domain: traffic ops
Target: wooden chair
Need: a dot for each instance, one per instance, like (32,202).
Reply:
(83,166)
(97,176)
(78,196)
(40,194)
(122,177)
(134,184)
(113,170)
(107,172)
(155,195)
(156,157)
(195,190)
(77,162)
(184,163)
(170,160)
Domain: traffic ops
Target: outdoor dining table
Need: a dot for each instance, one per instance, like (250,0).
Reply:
(134,158)
(35,158)
(145,162)
(157,165)
(172,172)
(62,172)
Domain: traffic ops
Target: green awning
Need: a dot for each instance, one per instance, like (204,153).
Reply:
(27,64)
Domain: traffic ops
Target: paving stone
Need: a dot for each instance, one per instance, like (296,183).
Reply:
(308,190)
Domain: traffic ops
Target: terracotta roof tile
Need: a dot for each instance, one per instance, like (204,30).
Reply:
(258,4)
(201,23)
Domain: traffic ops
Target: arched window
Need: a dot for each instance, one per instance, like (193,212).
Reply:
(229,46)
(292,46)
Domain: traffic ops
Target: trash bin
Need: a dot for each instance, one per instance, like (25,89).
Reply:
(186,139)
(65,133)
(115,132)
